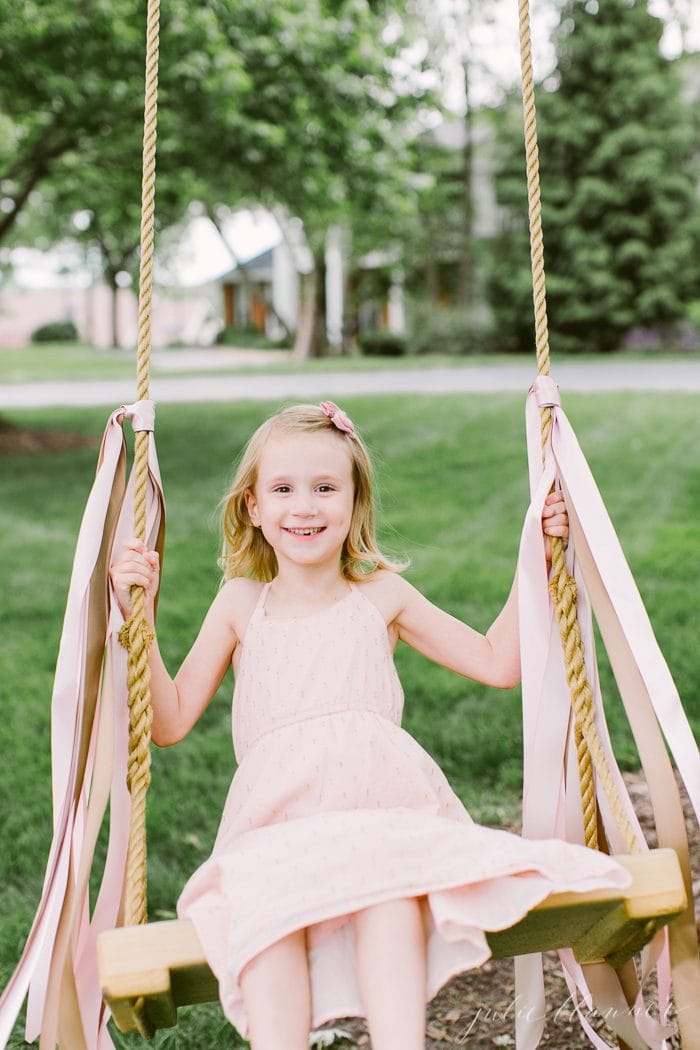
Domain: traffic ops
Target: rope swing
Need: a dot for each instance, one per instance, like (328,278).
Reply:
(591,756)
(101,728)
(100,734)
(589,751)
(136,635)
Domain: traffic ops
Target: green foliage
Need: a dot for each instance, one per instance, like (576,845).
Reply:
(451,330)
(382,343)
(291,104)
(437,236)
(55,332)
(694,315)
(620,210)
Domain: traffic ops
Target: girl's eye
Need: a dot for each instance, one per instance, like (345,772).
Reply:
(281,488)
(326,488)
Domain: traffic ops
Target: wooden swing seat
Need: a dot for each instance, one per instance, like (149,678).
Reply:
(163,965)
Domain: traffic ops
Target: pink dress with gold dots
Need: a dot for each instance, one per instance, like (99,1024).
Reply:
(335,807)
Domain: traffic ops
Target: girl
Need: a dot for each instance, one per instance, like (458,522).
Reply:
(347,878)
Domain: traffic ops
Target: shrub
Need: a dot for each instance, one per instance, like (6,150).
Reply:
(449,330)
(55,332)
(694,314)
(248,337)
(382,343)
(663,339)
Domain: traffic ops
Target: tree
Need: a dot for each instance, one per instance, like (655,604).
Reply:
(71,76)
(619,203)
(294,105)
(333,113)
(456,31)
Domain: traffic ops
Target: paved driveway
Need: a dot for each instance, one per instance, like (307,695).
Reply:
(663,376)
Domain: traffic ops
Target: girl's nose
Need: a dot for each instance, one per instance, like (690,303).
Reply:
(304,504)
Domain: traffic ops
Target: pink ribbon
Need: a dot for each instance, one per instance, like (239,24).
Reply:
(551,795)
(79,802)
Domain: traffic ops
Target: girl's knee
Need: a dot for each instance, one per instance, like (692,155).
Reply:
(391,917)
(277,995)
(399,907)
(285,955)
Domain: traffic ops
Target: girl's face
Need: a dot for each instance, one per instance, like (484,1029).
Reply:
(303,497)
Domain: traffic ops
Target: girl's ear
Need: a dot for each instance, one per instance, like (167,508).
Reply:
(252,508)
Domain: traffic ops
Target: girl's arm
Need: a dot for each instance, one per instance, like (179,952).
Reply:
(492,658)
(178,702)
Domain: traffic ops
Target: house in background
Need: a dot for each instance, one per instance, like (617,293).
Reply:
(180,316)
(381,281)
(262,293)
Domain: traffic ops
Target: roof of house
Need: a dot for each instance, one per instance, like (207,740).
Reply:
(259,268)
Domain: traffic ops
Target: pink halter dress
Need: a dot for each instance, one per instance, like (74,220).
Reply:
(334,807)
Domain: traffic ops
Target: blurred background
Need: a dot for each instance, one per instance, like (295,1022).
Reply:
(348,177)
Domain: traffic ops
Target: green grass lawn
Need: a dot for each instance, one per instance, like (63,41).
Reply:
(452,475)
(67,361)
(48,361)
(76,362)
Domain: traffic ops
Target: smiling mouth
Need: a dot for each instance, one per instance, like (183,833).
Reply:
(307,531)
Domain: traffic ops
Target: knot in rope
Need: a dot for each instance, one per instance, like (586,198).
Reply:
(134,635)
(564,591)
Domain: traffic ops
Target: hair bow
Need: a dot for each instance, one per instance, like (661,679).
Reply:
(338,417)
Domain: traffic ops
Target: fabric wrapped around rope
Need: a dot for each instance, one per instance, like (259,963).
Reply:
(89,729)
(551,803)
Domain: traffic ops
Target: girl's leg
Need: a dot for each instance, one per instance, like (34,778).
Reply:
(390,948)
(277,995)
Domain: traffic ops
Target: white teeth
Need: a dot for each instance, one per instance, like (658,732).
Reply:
(305,532)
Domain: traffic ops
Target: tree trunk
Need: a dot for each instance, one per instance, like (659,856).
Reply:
(111,277)
(8,220)
(466,261)
(430,270)
(311,339)
(319,334)
(307,299)
(349,344)
(31,168)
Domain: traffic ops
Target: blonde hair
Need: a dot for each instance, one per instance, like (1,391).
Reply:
(246,552)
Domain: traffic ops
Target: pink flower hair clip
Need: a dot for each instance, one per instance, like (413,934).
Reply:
(338,417)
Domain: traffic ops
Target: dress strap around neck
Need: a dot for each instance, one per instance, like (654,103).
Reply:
(262,600)
(257,612)
(259,607)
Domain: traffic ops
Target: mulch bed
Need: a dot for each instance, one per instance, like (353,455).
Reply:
(477,1009)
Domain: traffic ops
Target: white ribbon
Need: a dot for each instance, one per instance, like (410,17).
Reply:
(76,1018)
(551,795)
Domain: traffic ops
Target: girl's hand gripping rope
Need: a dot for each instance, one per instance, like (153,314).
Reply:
(135,566)
(555,521)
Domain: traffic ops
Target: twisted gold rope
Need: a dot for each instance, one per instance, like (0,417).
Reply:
(136,633)
(589,749)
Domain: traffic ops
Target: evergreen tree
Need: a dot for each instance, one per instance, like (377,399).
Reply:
(620,205)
